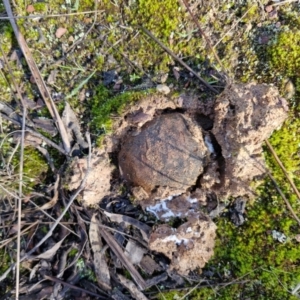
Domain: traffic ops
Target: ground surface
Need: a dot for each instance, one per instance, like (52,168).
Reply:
(101,63)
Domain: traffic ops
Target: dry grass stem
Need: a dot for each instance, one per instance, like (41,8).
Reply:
(19,201)
(50,232)
(232,27)
(284,2)
(38,79)
(284,198)
(178,59)
(35,133)
(204,35)
(51,16)
(283,169)
(7,241)
(74,287)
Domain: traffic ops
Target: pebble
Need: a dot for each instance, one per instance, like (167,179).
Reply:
(164,89)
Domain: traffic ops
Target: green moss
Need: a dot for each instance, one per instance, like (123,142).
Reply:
(104,105)
(73,252)
(84,271)
(262,267)
(284,53)
(40,7)
(34,169)
(5,260)
(286,144)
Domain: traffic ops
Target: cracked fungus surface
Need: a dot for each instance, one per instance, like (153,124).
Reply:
(165,153)
(178,155)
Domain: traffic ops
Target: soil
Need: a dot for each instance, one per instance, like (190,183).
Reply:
(176,155)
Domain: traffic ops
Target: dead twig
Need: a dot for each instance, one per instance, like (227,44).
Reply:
(283,169)
(204,35)
(233,25)
(284,198)
(284,2)
(114,246)
(71,286)
(100,264)
(19,201)
(134,291)
(178,59)
(38,79)
(35,133)
(50,232)
(89,30)
(73,197)
(51,16)
(7,241)
(265,169)
(16,86)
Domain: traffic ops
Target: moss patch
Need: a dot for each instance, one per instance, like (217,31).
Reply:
(34,170)
(104,106)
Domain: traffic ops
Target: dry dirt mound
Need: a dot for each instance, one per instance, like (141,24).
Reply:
(177,154)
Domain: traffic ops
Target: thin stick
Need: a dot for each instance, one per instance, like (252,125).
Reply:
(178,59)
(50,16)
(264,168)
(233,25)
(16,86)
(74,287)
(190,291)
(284,198)
(50,217)
(7,241)
(19,201)
(38,79)
(89,30)
(203,34)
(73,197)
(283,169)
(283,2)
(35,133)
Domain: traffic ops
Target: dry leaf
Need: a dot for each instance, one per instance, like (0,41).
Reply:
(60,32)
(134,291)
(46,124)
(149,265)
(145,229)
(15,228)
(101,268)
(134,252)
(52,251)
(53,201)
(73,127)
(118,251)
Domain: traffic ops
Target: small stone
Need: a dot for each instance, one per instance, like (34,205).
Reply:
(30,8)
(60,32)
(273,14)
(268,8)
(297,238)
(162,88)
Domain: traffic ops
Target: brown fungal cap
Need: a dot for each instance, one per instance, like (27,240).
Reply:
(168,151)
